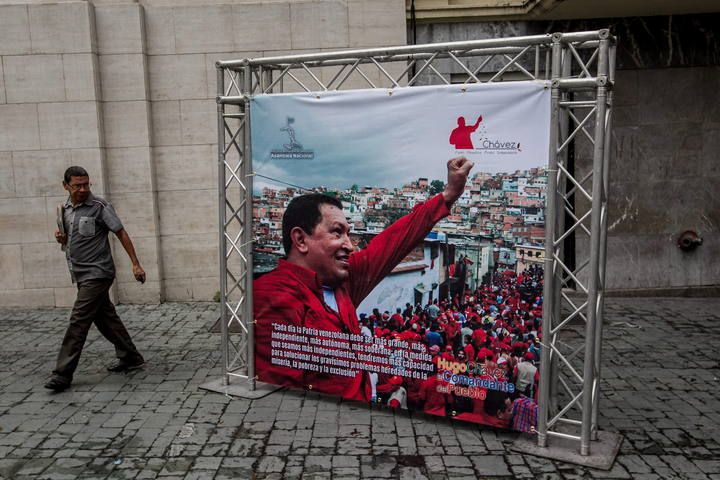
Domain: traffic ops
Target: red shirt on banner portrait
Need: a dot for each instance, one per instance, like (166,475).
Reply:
(292,295)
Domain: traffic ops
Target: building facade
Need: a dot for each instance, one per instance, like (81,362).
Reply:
(127,89)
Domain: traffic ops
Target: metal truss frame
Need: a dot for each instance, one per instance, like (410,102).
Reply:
(580,68)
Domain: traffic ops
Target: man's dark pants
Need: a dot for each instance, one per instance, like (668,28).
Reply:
(93,305)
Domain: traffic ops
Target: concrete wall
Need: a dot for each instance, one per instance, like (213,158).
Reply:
(126,89)
(665,170)
(665,145)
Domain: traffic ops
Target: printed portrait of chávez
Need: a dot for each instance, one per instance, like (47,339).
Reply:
(322,280)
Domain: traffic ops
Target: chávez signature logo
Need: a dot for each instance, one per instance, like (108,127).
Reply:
(461,138)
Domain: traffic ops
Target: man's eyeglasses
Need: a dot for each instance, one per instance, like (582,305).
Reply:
(79,186)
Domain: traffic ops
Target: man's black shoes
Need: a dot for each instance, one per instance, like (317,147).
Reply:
(124,366)
(57,384)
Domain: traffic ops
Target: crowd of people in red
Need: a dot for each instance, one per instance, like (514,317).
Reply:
(485,348)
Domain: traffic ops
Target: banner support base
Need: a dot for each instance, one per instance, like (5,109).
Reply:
(239,388)
(602,452)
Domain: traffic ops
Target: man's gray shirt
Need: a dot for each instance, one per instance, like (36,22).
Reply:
(88,249)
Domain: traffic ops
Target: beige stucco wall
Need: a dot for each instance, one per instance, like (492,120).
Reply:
(126,89)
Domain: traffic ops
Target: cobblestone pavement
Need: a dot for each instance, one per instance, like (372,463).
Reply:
(660,385)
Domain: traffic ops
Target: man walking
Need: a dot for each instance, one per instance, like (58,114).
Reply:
(87,219)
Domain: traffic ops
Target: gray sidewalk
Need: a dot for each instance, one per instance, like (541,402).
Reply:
(661,378)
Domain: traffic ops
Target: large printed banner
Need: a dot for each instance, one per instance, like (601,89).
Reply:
(367,285)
